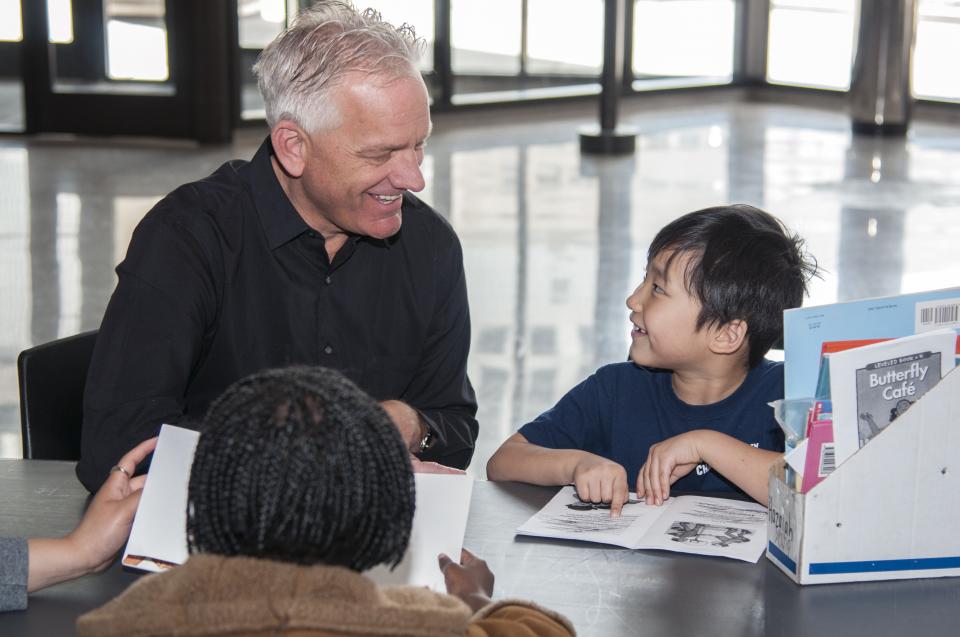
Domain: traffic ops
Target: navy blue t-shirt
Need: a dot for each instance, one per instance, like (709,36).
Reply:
(623,409)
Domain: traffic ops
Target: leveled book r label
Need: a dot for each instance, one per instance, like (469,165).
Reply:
(684,524)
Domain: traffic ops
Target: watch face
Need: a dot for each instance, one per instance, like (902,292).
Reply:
(425,443)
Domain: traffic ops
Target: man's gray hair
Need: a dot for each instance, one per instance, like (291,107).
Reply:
(298,70)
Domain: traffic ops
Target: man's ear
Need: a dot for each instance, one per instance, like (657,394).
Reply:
(729,338)
(290,146)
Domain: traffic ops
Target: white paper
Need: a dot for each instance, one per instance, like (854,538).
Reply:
(439,524)
(159,533)
(685,524)
(797,457)
(158,539)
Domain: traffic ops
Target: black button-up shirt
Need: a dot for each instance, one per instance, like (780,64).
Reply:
(223,278)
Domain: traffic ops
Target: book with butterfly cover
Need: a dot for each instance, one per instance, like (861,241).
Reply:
(871,386)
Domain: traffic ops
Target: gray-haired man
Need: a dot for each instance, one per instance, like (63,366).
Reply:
(314,252)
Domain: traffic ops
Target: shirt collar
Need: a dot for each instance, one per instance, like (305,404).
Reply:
(280,220)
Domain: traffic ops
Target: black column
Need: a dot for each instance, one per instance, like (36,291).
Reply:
(609,139)
(880,97)
(442,59)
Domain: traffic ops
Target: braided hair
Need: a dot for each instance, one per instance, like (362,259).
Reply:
(299,465)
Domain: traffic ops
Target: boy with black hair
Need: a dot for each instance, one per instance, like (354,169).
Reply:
(690,408)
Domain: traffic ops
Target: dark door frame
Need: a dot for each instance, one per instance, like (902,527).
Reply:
(194,104)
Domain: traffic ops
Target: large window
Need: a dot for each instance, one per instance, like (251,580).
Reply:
(937,50)
(811,43)
(681,39)
(136,40)
(557,44)
(485,37)
(515,49)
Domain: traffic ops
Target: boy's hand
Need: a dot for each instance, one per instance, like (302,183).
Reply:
(600,480)
(667,462)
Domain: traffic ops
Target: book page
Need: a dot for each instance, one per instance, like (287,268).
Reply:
(566,517)
(158,538)
(439,524)
(710,526)
(685,524)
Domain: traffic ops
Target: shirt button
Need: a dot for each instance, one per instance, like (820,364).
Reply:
(328,349)
(329,280)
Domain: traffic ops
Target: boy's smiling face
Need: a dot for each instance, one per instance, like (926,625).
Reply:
(664,316)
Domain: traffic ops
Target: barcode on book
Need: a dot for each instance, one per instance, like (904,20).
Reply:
(933,315)
(828,460)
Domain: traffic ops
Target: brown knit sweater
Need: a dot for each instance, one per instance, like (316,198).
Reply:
(239,597)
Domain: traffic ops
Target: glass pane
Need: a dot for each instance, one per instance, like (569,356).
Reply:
(558,44)
(11,104)
(11,26)
(937,49)
(260,21)
(791,56)
(60,21)
(683,38)
(136,40)
(485,36)
(417,13)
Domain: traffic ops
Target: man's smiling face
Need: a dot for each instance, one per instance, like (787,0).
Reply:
(356,173)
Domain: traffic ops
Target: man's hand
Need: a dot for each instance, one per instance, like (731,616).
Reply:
(600,480)
(407,421)
(419,466)
(667,462)
(470,580)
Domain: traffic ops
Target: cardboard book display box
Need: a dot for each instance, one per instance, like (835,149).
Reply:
(890,511)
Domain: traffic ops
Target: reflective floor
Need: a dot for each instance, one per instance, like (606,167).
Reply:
(553,240)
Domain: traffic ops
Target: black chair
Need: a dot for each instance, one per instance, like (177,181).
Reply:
(52,377)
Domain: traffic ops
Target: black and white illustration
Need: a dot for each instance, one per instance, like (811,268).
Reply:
(580,505)
(578,517)
(685,524)
(708,534)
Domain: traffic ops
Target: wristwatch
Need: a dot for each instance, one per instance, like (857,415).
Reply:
(426,441)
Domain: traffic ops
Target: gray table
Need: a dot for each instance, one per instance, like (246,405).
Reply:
(605,591)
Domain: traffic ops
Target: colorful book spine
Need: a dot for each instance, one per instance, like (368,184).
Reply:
(821,453)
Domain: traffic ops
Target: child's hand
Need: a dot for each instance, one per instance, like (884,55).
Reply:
(470,580)
(600,480)
(667,462)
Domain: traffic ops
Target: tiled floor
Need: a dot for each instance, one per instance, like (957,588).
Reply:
(553,240)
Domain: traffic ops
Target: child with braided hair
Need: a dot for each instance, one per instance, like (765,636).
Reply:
(300,483)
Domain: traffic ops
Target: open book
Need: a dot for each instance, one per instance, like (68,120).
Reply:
(686,524)
(158,539)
